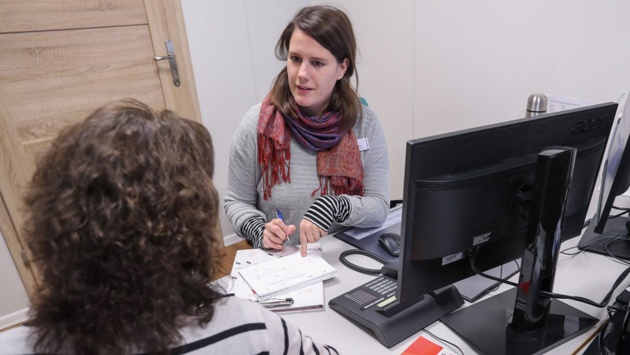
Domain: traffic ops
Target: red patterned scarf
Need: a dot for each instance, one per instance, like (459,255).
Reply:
(339,164)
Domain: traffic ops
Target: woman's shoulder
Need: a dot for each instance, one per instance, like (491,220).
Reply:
(253,111)
(232,302)
(229,312)
(249,121)
(236,322)
(232,306)
(15,341)
(251,115)
(369,113)
(369,120)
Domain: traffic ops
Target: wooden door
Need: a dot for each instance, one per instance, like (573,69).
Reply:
(61,59)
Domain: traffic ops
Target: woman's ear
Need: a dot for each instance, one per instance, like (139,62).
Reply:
(343,66)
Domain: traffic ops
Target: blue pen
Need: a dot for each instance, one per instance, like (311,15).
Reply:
(279,215)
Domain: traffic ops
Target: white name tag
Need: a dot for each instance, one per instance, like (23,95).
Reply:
(363,144)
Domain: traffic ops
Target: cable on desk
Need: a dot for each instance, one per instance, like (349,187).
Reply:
(361,269)
(444,341)
(601,343)
(612,331)
(606,242)
(472,257)
(623,211)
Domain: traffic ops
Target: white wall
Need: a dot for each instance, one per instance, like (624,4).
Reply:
(232,50)
(385,36)
(13,296)
(426,67)
(477,62)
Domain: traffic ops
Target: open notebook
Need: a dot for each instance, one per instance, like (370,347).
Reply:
(287,274)
(310,298)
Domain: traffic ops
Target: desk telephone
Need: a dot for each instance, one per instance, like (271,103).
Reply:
(374,305)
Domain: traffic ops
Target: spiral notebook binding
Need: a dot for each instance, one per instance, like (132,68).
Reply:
(272,294)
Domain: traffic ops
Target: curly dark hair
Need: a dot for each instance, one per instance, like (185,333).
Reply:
(120,221)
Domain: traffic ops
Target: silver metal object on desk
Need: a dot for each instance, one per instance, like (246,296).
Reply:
(536,105)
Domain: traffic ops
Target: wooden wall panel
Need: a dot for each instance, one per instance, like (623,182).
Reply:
(64,75)
(43,15)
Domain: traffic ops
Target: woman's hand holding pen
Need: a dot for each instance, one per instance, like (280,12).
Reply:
(276,233)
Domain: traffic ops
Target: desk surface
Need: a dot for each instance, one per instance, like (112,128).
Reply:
(588,275)
(227,255)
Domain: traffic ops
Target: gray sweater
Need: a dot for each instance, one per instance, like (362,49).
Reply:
(244,197)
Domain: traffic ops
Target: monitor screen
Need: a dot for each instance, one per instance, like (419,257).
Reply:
(612,163)
(607,234)
(471,190)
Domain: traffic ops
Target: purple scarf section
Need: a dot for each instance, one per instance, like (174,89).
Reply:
(316,134)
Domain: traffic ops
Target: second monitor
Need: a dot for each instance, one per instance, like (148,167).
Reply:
(608,233)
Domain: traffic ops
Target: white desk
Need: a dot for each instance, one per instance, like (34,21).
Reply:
(587,274)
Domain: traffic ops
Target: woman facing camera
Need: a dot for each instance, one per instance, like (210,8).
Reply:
(310,157)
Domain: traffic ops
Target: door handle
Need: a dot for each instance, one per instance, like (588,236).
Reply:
(171,60)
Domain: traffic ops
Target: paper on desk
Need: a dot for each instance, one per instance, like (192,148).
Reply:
(424,346)
(307,298)
(393,217)
(248,257)
(557,103)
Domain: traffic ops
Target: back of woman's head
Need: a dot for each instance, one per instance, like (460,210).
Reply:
(332,29)
(204,143)
(120,216)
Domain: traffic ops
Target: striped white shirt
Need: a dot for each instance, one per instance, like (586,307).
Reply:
(238,327)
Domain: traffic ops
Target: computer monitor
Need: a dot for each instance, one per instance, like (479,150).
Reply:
(469,192)
(607,234)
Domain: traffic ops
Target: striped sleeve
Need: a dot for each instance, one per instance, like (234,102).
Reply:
(328,209)
(253,229)
(294,342)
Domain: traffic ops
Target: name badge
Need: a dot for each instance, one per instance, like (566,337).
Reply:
(363,144)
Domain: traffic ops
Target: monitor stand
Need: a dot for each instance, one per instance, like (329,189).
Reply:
(495,336)
(530,321)
(598,242)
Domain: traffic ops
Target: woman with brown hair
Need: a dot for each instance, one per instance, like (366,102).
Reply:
(121,215)
(310,149)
